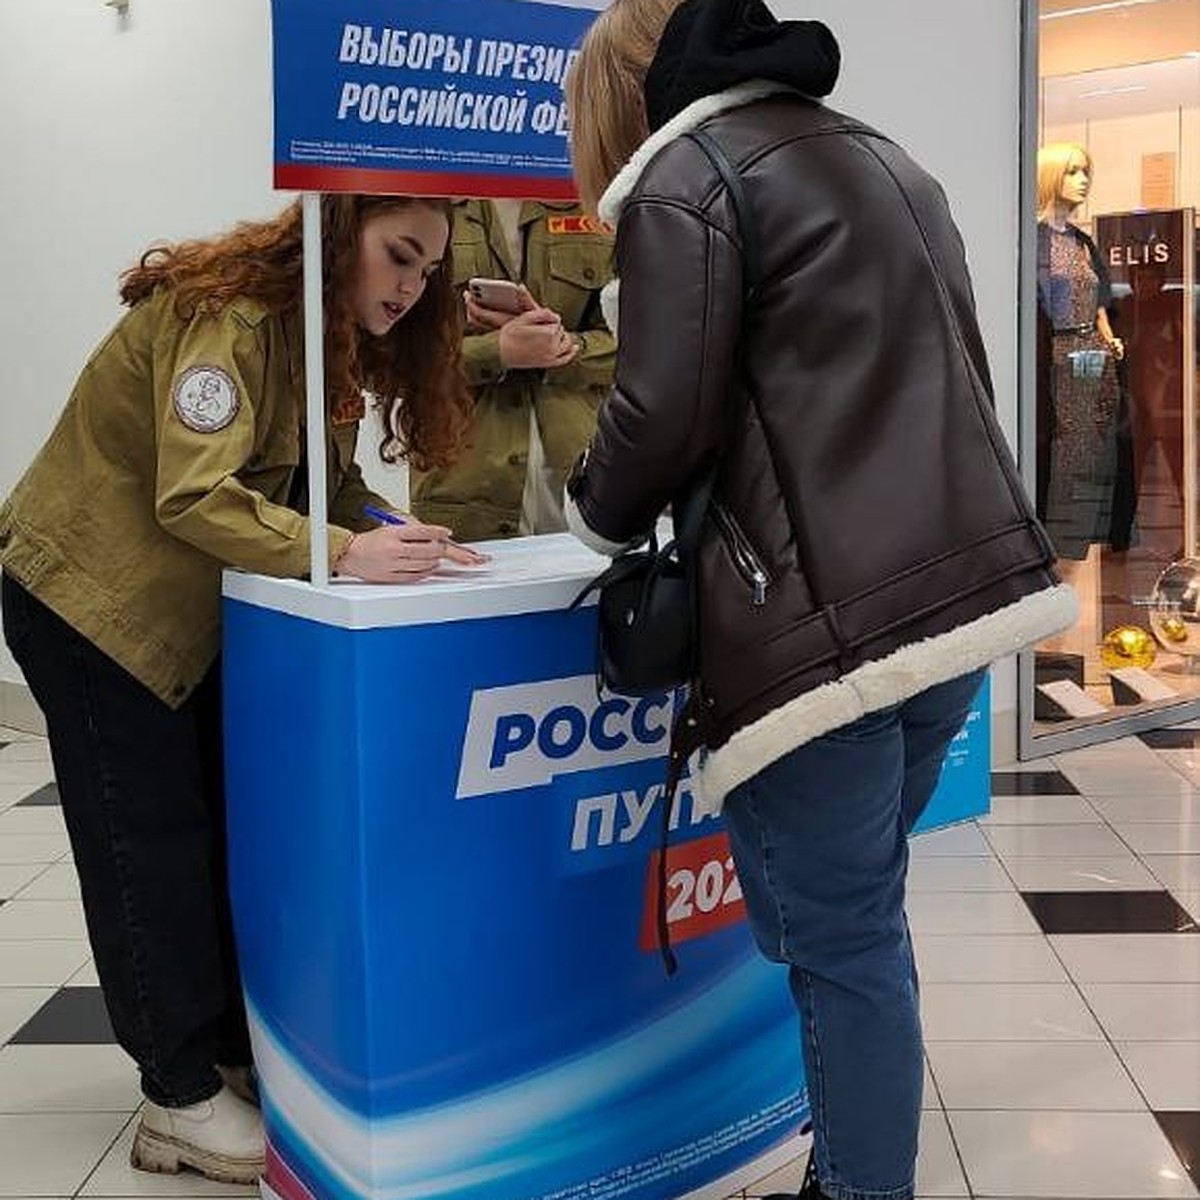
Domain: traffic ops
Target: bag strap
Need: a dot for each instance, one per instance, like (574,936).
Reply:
(693,505)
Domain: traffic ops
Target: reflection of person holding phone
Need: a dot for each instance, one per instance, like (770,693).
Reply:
(538,356)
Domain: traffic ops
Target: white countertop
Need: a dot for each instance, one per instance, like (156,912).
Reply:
(534,574)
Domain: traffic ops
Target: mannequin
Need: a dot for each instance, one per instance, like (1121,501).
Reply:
(1078,389)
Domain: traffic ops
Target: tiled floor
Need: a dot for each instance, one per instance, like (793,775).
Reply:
(1060,961)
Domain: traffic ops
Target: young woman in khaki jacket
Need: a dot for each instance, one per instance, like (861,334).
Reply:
(180,452)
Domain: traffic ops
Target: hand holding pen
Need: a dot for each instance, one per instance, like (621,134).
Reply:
(401,550)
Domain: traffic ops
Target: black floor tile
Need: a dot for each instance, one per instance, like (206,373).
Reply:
(1032,783)
(1183,1132)
(1171,739)
(3,744)
(71,1017)
(46,795)
(1109,912)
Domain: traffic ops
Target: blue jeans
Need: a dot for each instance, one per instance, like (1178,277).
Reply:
(820,842)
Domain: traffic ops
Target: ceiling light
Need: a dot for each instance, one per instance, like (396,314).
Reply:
(1084,9)
(1111,91)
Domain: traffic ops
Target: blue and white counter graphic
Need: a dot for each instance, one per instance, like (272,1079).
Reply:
(443,848)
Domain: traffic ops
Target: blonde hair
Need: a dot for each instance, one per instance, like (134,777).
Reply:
(1053,162)
(605,94)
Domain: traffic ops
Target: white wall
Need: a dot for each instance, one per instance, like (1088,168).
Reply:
(118,132)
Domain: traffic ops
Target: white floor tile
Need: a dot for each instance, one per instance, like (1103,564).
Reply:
(1033,764)
(25,750)
(968,912)
(34,819)
(24,920)
(1179,872)
(1190,901)
(960,841)
(1146,1012)
(1032,1075)
(1122,958)
(52,1155)
(12,794)
(929,1092)
(115,1177)
(1069,1154)
(1007,1012)
(1185,762)
(1081,874)
(1055,841)
(1168,1073)
(15,877)
(1123,780)
(85,977)
(57,882)
(1137,805)
(37,772)
(939,1172)
(40,964)
(1004,958)
(19,848)
(1040,810)
(59,1079)
(1131,751)
(1159,837)
(785,1179)
(957,875)
(17,1005)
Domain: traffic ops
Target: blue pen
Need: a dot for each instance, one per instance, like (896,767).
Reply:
(378,514)
(391,518)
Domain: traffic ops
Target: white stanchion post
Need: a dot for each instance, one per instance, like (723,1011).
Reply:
(314,376)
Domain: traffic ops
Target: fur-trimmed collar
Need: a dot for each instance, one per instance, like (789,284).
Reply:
(689,118)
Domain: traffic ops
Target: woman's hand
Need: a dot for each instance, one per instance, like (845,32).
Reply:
(488,319)
(404,553)
(1117,346)
(536,340)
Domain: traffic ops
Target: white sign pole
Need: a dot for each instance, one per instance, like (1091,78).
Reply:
(314,376)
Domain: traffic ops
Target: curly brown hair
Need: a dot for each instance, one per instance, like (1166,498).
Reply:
(414,370)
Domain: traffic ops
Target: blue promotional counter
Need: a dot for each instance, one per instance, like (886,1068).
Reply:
(443,847)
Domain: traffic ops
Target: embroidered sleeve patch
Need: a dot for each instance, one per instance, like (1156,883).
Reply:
(205,398)
(577,225)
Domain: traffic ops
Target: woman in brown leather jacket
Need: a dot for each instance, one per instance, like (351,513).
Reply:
(870,548)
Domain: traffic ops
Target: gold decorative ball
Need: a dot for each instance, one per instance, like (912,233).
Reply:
(1127,646)
(1173,629)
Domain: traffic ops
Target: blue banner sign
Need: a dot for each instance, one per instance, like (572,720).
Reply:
(461,97)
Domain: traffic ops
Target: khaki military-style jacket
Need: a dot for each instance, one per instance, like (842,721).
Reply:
(568,259)
(174,458)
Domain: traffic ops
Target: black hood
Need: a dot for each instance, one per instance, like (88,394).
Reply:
(710,45)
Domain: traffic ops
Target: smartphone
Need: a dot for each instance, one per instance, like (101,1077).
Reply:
(500,295)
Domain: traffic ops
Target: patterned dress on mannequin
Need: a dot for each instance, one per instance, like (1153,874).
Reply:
(1084,395)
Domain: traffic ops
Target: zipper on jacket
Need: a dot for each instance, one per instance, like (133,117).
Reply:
(747,562)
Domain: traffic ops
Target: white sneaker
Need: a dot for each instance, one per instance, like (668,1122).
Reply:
(222,1138)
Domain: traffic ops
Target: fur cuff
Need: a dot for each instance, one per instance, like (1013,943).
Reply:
(584,532)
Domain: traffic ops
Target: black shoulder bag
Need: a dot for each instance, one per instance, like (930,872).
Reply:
(646,615)
(647,605)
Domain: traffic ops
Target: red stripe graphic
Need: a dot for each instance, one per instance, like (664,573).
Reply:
(421,183)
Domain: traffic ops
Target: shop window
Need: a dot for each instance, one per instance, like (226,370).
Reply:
(1112,399)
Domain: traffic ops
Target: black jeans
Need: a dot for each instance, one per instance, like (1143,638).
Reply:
(143,798)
